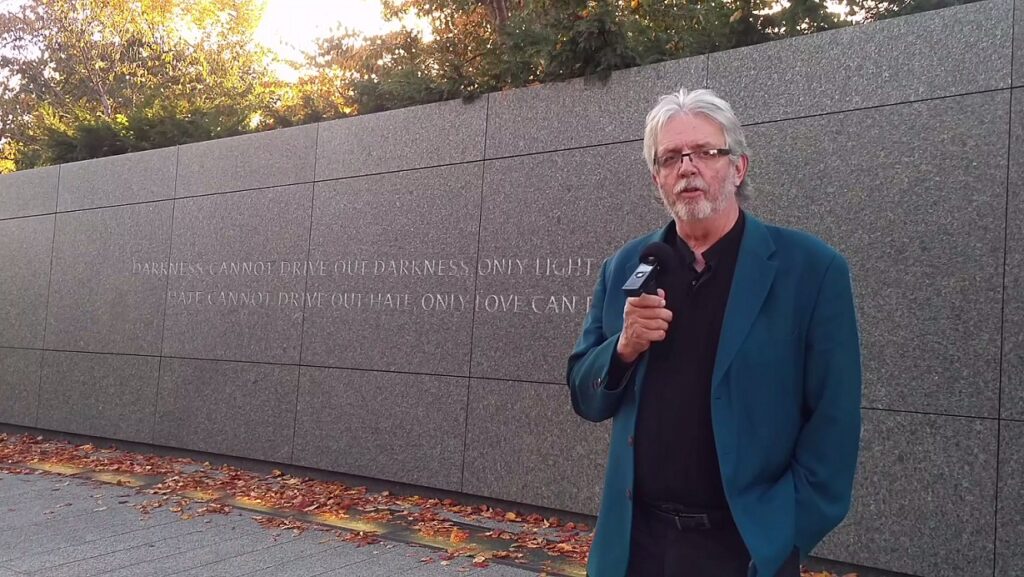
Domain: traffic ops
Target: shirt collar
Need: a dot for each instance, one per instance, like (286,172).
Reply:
(714,252)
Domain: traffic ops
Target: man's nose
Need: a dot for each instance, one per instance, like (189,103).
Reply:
(686,166)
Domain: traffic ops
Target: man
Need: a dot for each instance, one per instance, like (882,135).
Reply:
(735,391)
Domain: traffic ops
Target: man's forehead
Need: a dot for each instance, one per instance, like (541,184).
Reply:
(691,130)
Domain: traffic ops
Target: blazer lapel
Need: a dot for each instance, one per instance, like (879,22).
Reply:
(750,284)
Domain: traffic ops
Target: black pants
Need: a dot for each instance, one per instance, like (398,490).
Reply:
(659,549)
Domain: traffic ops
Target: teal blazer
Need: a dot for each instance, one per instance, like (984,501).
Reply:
(785,396)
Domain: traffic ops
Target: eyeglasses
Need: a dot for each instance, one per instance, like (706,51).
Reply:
(672,160)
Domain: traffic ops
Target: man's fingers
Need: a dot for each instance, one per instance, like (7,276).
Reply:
(652,324)
(651,335)
(646,301)
(646,321)
(636,313)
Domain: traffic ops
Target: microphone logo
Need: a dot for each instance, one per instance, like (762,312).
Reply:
(644,278)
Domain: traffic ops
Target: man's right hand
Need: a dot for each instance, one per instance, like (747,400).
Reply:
(644,321)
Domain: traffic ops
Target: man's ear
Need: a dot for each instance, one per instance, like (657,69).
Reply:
(740,169)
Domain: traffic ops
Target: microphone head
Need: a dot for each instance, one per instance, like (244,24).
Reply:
(656,253)
(644,279)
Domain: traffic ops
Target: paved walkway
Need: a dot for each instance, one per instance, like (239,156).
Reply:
(52,526)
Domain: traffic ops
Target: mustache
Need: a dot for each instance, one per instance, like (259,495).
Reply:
(691,182)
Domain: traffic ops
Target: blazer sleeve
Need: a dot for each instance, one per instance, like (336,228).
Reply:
(825,458)
(593,397)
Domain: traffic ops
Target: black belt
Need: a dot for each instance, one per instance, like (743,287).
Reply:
(684,519)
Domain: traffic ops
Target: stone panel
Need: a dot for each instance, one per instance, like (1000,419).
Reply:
(408,138)
(127,178)
(914,197)
(399,253)
(940,53)
(29,192)
(400,427)
(924,500)
(582,112)
(261,160)
(526,445)
(236,275)
(111,396)
(238,409)
(537,269)
(104,296)
(25,261)
(19,386)
(1013,306)
(1018,45)
(1010,530)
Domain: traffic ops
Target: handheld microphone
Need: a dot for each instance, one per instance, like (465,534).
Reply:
(644,278)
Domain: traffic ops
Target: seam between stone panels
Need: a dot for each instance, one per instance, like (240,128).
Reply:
(1013,37)
(170,252)
(305,287)
(1002,323)
(46,311)
(49,278)
(461,376)
(476,278)
(56,200)
(39,388)
(707,70)
(876,106)
(565,149)
(637,140)
(995,513)
(156,398)
(26,216)
(929,414)
(163,320)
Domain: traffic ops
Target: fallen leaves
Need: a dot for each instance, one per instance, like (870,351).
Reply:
(359,538)
(191,489)
(297,527)
(26,449)
(481,561)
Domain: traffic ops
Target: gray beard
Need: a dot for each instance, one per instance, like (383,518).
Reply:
(697,210)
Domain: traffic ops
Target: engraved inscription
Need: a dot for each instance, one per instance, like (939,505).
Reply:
(341,272)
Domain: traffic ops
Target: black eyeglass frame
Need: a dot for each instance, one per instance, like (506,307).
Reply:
(716,153)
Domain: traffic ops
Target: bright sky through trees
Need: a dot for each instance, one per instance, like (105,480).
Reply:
(291,26)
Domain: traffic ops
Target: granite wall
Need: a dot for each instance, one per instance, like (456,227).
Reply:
(394,295)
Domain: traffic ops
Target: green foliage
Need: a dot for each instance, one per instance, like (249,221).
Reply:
(88,78)
(487,45)
(882,9)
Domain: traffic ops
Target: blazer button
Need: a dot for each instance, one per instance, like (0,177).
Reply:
(629,441)
(596,384)
(629,494)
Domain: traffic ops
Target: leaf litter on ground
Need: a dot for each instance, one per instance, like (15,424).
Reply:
(183,479)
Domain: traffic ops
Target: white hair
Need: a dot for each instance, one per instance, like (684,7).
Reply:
(693,102)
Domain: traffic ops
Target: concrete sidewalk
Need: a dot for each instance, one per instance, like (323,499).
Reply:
(52,526)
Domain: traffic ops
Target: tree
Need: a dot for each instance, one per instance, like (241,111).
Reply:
(88,78)
(480,46)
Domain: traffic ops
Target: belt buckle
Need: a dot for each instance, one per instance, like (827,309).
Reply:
(694,521)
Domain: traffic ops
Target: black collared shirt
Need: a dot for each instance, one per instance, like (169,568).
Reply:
(675,454)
